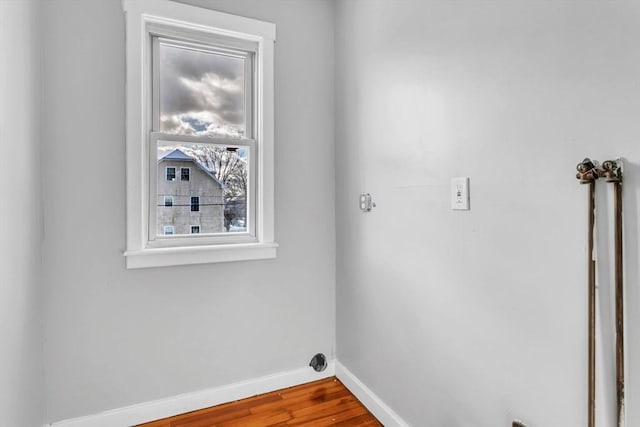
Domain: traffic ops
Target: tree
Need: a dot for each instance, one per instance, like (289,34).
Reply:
(230,169)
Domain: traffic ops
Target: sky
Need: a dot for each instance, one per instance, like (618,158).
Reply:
(201,93)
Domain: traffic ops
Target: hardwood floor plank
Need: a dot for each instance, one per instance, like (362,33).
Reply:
(301,402)
(224,412)
(364,420)
(319,403)
(266,419)
(208,419)
(328,413)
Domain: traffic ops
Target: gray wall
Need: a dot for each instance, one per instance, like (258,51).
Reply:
(473,318)
(21,364)
(118,337)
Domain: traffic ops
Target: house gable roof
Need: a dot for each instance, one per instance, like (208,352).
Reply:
(176,154)
(179,155)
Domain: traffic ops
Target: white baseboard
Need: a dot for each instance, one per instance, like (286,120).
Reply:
(163,408)
(378,408)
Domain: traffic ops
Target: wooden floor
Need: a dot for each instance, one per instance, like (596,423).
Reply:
(320,403)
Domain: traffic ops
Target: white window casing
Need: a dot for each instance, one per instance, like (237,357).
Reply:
(146,19)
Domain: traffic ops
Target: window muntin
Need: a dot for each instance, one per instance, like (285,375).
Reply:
(184,174)
(171,174)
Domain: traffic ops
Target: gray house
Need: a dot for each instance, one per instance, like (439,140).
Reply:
(190,198)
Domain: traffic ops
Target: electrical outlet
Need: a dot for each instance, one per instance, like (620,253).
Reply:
(460,193)
(366,202)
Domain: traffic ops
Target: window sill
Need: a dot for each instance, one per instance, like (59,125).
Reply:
(166,257)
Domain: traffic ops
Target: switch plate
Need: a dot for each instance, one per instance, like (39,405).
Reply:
(460,193)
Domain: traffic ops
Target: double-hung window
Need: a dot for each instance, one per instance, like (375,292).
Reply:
(199,120)
(195,204)
(184,174)
(171,173)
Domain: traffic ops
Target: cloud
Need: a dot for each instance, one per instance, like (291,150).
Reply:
(201,92)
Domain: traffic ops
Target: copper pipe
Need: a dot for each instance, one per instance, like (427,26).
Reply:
(587,174)
(613,174)
(591,289)
(619,305)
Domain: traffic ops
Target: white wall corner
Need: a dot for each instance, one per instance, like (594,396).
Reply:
(373,403)
(180,404)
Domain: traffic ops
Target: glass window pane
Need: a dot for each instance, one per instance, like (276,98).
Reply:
(171,174)
(201,92)
(215,196)
(195,204)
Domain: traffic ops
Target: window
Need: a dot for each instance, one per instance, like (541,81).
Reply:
(195,204)
(168,202)
(171,174)
(199,92)
(168,230)
(195,229)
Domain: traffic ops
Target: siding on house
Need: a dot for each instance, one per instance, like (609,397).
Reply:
(202,184)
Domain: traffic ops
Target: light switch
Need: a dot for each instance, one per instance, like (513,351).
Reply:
(460,193)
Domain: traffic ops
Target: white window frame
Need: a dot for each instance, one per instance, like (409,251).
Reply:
(169,227)
(142,249)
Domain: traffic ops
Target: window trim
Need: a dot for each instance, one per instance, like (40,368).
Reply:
(141,15)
